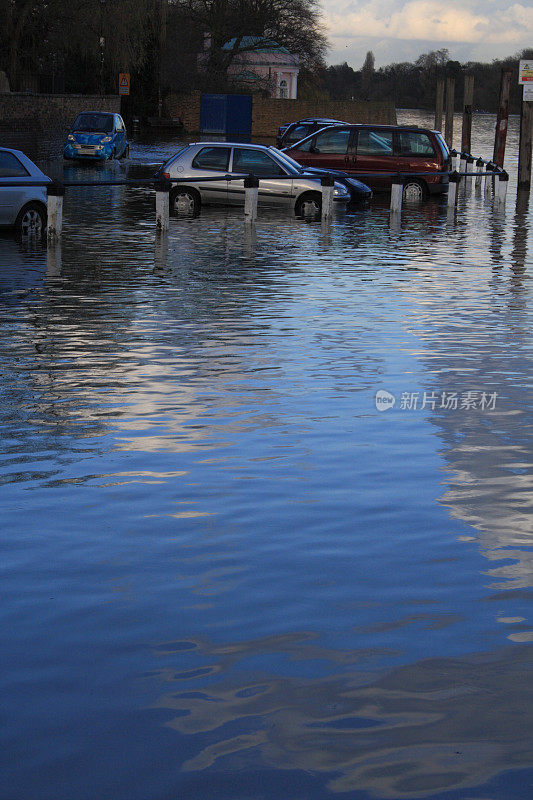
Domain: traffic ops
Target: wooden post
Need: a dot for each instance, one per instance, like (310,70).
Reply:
(489,180)
(251,191)
(439,104)
(450,108)
(162,204)
(466,138)
(500,135)
(396,195)
(524,152)
(327,182)
(54,193)
(469,167)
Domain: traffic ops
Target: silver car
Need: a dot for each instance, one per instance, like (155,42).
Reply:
(22,207)
(281,182)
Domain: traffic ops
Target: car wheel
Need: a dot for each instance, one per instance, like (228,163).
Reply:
(309,205)
(31,220)
(414,191)
(184,200)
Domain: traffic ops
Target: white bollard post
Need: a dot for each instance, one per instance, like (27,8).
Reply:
(501,190)
(462,164)
(452,190)
(479,170)
(396,195)
(489,179)
(251,191)
(453,154)
(55,193)
(162,204)
(470,169)
(327,182)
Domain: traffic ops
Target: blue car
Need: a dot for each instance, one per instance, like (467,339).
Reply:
(97,135)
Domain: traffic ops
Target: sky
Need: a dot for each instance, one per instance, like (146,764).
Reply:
(400,30)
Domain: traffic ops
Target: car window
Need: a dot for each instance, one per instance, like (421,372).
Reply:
(93,123)
(120,124)
(374,143)
(335,141)
(216,158)
(297,133)
(255,161)
(10,166)
(413,143)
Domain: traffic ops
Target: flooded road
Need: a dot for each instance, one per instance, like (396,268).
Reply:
(225,571)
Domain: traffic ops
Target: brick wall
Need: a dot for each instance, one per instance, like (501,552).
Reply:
(268,115)
(36,123)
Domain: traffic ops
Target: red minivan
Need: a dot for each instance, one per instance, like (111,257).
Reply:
(376,152)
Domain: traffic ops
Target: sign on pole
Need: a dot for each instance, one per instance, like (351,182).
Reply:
(124,83)
(528,93)
(525,72)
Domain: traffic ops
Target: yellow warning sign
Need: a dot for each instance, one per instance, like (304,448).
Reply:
(124,83)
(525,72)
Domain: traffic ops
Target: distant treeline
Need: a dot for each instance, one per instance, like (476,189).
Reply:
(412,85)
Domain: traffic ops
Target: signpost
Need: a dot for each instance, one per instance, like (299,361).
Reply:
(525,79)
(124,83)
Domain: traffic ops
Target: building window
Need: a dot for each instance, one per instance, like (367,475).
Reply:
(283,90)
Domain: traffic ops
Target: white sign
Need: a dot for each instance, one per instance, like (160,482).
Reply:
(525,72)
(528,93)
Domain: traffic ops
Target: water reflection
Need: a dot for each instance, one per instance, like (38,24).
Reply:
(420,730)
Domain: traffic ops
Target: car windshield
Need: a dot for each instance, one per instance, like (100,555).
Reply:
(94,123)
(294,166)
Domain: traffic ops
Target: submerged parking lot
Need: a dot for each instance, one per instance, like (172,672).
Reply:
(228,570)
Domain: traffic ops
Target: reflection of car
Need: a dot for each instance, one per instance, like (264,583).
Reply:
(380,150)
(294,131)
(97,135)
(22,207)
(283,183)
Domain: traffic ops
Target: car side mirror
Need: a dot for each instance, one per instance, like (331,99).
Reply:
(314,150)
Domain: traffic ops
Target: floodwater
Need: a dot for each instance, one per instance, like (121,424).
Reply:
(226,573)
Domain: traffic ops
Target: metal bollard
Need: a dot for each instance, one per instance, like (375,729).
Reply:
(396,195)
(327,182)
(479,170)
(251,191)
(489,180)
(501,189)
(55,193)
(162,204)
(452,189)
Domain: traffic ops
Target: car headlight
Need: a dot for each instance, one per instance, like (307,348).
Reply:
(71,138)
(340,191)
(107,139)
(99,147)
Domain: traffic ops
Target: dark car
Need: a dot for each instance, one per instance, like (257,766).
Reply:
(292,132)
(376,152)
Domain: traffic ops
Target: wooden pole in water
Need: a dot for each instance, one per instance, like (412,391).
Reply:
(328,184)
(396,195)
(439,104)
(450,107)
(524,151)
(500,135)
(466,139)
(251,192)
(55,193)
(162,204)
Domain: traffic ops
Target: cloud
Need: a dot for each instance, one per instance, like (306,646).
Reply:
(430,20)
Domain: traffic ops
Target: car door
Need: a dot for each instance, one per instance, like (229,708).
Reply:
(328,149)
(416,153)
(120,135)
(373,152)
(272,190)
(211,162)
(12,198)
